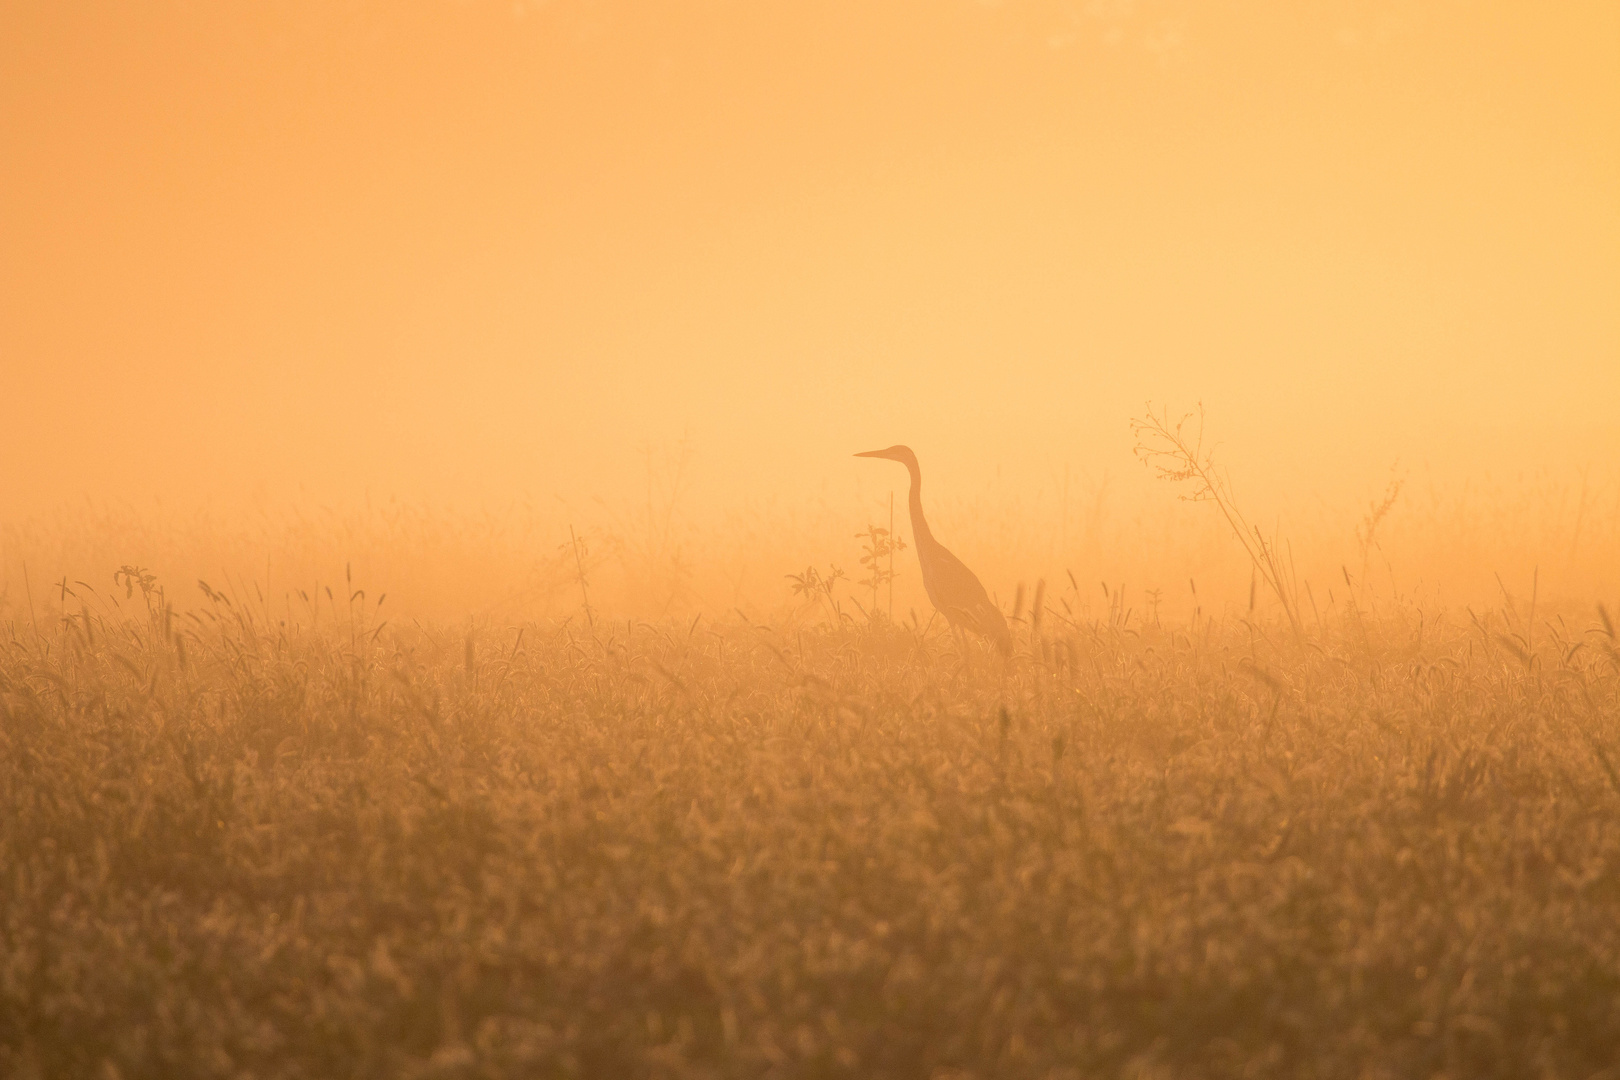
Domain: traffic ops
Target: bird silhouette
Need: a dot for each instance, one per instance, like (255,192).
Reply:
(952,588)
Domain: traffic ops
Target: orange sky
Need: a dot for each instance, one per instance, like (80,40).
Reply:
(464,250)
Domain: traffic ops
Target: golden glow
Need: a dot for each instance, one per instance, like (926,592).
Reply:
(471,254)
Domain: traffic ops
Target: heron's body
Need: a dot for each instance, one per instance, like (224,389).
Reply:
(952,588)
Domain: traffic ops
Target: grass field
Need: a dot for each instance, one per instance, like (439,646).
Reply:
(230,846)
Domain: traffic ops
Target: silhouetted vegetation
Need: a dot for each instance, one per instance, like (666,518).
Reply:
(237,845)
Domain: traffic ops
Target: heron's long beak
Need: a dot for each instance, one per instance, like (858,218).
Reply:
(873,453)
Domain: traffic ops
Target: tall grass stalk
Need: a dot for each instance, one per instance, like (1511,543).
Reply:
(1176,452)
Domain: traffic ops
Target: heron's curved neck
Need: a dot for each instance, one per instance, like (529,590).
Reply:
(919,525)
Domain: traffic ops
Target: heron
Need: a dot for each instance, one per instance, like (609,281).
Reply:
(952,588)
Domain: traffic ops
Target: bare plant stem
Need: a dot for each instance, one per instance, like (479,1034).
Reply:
(891,557)
(579,564)
(1179,456)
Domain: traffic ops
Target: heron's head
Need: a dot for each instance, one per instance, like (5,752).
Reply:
(902,454)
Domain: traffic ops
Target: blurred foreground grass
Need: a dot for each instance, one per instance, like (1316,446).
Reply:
(236,849)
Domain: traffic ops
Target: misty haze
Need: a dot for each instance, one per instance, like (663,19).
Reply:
(950,540)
